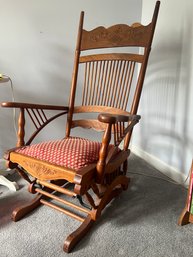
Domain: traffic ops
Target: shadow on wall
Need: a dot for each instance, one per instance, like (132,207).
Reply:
(165,104)
(44,84)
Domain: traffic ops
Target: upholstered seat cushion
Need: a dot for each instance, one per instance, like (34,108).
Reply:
(72,152)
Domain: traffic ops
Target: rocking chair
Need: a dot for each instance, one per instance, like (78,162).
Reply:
(92,172)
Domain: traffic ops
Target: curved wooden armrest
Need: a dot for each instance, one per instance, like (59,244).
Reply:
(38,116)
(33,106)
(114,118)
(115,122)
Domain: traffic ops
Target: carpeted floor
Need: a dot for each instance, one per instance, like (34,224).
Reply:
(141,222)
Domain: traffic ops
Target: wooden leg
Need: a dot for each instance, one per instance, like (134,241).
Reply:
(20,212)
(116,187)
(111,192)
(78,234)
(184,218)
(23,175)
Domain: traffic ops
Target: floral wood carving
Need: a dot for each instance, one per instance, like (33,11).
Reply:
(119,35)
(40,169)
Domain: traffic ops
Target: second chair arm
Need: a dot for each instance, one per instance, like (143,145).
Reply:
(114,118)
(115,122)
(117,125)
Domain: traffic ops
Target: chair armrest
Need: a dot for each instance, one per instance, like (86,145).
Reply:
(114,122)
(33,106)
(37,114)
(114,118)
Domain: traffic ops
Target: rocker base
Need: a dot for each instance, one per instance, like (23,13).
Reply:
(112,191)
(22,211)
(78,234)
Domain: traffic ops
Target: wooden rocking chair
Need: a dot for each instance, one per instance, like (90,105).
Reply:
(96,171)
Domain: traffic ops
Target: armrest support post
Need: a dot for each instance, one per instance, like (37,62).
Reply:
(103,153)
(127,140)
(21,128)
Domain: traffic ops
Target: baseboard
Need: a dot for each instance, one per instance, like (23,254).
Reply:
(163,167)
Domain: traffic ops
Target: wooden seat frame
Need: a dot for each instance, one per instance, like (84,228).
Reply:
(99,182)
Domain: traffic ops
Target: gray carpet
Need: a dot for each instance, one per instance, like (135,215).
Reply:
(141,222)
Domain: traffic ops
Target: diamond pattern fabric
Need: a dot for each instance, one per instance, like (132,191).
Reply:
(72,152)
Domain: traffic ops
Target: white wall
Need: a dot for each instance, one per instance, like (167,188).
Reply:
(36,49)
(166,128)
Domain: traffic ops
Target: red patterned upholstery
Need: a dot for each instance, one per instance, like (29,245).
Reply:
(72,152)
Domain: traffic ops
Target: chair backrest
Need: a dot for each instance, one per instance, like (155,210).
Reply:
(112,80)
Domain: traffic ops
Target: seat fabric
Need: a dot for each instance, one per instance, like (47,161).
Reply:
(71,152)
